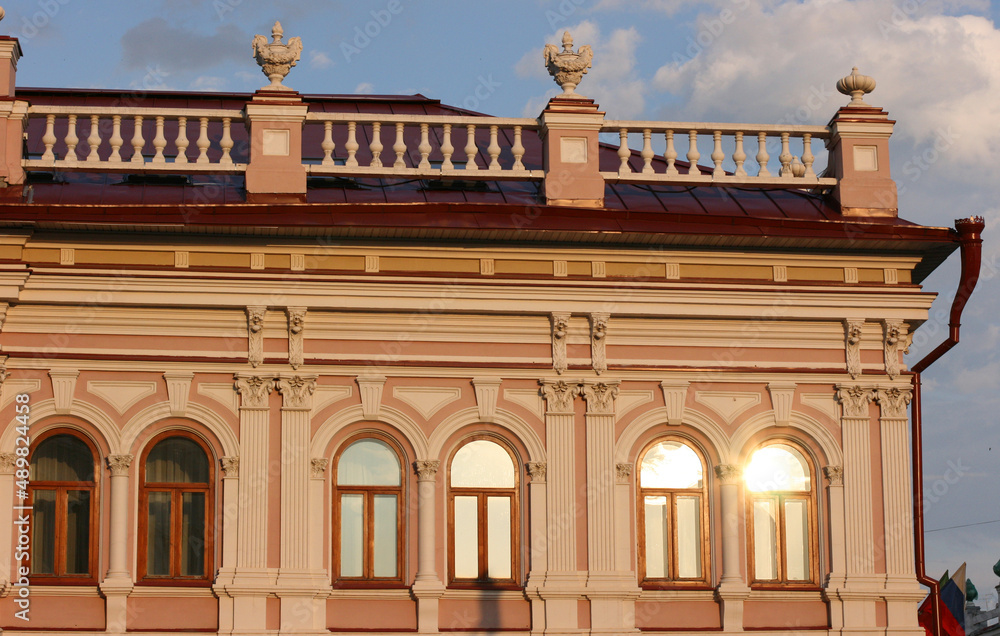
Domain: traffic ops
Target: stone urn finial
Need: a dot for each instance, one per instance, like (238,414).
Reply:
(276,58)
(567,67)
(856,85)
(2,13)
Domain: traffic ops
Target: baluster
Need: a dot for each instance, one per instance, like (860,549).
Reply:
(49,138)
(182,140)
(739,156)
(71,139)
(517,150)
(425,147)
(470,148)
(376,145)
(785,157)
(647,151)
(159,142)
(203,141)
(137,141)
(494,149)
(447,149)
(226,143)
(352,145)
(807,155)
(762,155)
(623,152)
(116,139)
(670,154)
(328,144)
(94,140)
(717,155)
(693,155)
(399,147)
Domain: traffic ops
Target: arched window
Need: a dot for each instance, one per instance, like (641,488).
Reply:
(781,512)
(673,515)
(368,512)
(175,509)
(483,514)
(63,491)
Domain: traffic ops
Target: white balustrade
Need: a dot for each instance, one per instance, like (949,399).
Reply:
(103,151)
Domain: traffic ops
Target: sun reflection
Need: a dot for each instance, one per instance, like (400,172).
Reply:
(671,465)
(777,467)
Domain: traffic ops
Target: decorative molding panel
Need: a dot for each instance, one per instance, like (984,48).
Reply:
(894,335)
(598,341)
(182,259)
(823,402)
(255,334)
(780,273)
(487,266)
(891,276)
(852,344)
(560,269)
(629,400)
(67,256)
(674,397)
(371,263)
(12,386)
(487,392)
(850,274)
(530,399)
(782,394)
(673,271)
(560,331)
(257,260)
(427,400)
(178,390)
(324,396)
(296,327)
(63,387)
(223,393)
(121,394)
(371,395)
(728,404)
(298,263)
(599,269)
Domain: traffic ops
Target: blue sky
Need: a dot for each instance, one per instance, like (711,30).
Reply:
(937,64)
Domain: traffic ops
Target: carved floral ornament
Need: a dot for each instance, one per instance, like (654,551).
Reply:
(297,391)
(600,397)
(728,473)
(230,466)
(560,327)
(855,400)
(119,464)
(318,466)
(559,395)
(893,401)
(254,389)
(536,471)
(7,461)
(426,469)
(834,474)
(623,472)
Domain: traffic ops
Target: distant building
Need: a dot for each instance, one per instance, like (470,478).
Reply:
(375,364)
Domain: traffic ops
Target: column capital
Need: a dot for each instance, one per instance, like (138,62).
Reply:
(600,396)
(297,391)
(426,469)
(855,399)
(834,475)
(119,464)
(536,472)
(892,401)
(728,473)
(623,473)
(318,467)
(230,466)
(254,389)
(559,395)
(7,463)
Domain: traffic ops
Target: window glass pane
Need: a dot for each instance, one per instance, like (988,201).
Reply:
(466,538)
(670,465)
(657,531)
(777,467)
(62,458)
(78,532)
(482,464)
(764,540)
(797,539)
(193,534)
(43,533)
(688,537)
(498,548)
(351,534)
(385,535)
(158,535)
(368,462)
(177,460)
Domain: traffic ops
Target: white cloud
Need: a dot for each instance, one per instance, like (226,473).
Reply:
(320,60)
(209,83)
(364,88)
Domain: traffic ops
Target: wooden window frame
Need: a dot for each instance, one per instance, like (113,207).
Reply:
(367,579)
(482,495)
(61,488)
(780,496)
(176,517)
(672,581)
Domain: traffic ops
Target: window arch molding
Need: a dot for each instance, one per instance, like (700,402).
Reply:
(510,428)
(803,429)
(330,434)
(198,420)
(64,503)
(712,440)
(86,418)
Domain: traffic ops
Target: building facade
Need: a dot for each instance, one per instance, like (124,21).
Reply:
(301,364)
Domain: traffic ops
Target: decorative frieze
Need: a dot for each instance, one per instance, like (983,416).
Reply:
(598,338)
(855,399)
(600,397)
(894,336)
(623,473)
(371,395)
(119,464)
(852,344)
(782,394)
(255,334)
(254,389)
(487,393)
(834,475)
(297,391)
(892,401)
(728,473)
(230,466)
(178,389)
(426,469)
(560,329)
(536,471)
(559,395)
(296,326)
(318,466)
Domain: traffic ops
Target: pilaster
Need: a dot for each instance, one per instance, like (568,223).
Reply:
(427,587)
(7,569)
(117,584)
(835,580)
(732,590)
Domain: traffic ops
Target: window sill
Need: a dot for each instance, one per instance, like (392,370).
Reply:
(778,593)
(149,590)
(484,593)
(677,595)
(61,589)
(174,583)
(370,594)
